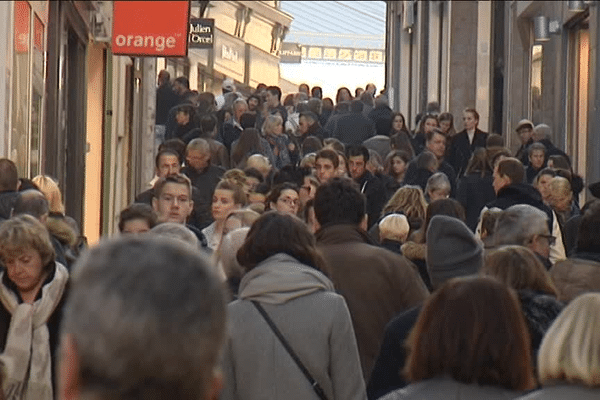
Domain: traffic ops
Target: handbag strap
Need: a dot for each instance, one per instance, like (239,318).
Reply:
(315,385)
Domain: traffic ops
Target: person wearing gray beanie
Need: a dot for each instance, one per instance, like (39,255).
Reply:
(452,250)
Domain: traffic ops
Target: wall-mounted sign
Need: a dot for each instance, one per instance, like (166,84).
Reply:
(290,53)
(202,33)
(150,28)
(330,53)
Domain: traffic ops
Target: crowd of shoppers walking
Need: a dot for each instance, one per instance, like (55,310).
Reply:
(291,246)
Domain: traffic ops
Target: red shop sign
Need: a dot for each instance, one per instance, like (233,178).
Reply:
(150,28)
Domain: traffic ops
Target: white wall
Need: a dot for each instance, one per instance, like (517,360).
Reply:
(330,76)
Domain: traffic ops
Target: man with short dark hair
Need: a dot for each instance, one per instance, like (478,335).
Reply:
(354,128)
(273,100)
(435,142)
(326,165)
(376,283)
(144,319)
(9,184)
(369,185)
(510,190)
(232,128)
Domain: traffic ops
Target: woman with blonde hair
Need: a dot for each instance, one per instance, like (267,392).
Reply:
(520,269)
(569,357)
(60,226)
(410,201)
(50,189)
(272,130)
(32,292)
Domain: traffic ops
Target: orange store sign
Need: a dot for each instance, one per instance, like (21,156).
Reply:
(150,28)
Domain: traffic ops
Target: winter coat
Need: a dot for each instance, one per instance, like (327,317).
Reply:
(539,310)
(381,115)
(376,283)
(412,175)
(7,202)
(416,252)
(522,193)
(387,372)
(417,141)
(380,144)
(474,192)
(53,322)
(204,182)
(576,275)
(353,129)
(375,194)
(562,392)
(461,150)
(449,389)
(313,319)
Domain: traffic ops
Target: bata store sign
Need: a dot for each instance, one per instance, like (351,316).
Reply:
(150,28)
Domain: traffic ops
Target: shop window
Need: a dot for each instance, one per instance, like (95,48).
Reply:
(28,90)
(20,110)
(537,58)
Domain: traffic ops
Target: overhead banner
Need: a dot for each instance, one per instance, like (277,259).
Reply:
(290,53)
(202,33)
(150,28)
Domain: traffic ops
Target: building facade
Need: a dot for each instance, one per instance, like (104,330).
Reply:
(490,55)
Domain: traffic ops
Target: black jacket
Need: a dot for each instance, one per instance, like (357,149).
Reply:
(461,149)
(381,115)
(474,192)
(354,128)
(7,202)
(375,194)
(205,183)
(418,176)
(521,193)
(386,375)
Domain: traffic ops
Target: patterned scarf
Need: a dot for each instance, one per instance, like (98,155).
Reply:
(27,350)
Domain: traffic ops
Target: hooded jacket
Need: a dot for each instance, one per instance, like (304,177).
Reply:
(311,317)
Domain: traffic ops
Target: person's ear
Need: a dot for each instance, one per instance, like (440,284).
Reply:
(155,204)
(363,223)
(68,369)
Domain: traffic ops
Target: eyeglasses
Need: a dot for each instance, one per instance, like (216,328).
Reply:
(170,199)
(288,201)
(551,239)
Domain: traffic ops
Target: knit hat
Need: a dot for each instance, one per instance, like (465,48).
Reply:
(452,250)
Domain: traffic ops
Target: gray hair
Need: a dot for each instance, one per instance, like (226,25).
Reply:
(239,101)
(147,316)
(198,144)
(542,131)
(176,231)
(518,224)
(438,181)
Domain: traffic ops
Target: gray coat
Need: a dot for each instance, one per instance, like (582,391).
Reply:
(313,319)
(562,392)
(448,389)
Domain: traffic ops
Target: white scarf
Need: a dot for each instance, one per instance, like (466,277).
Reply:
(27,350)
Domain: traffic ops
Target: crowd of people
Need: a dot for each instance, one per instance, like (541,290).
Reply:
(310,249)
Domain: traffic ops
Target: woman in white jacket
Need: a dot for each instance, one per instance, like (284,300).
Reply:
(283,276)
